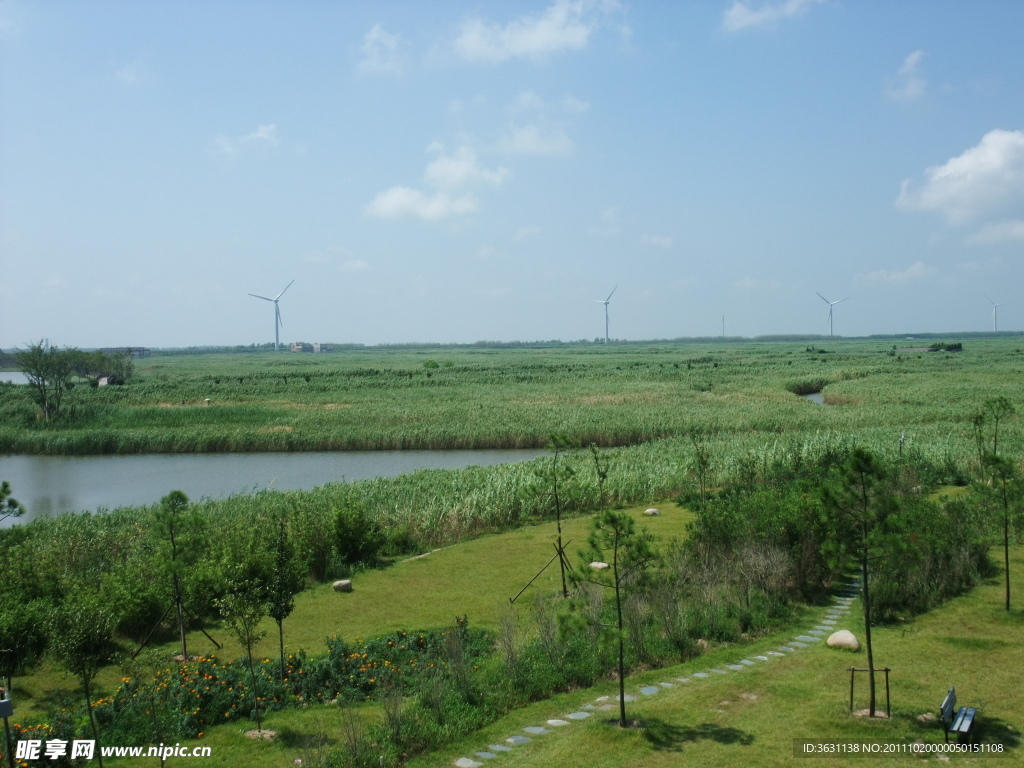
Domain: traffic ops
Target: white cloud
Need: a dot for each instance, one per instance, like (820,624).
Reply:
(462,170)
(264,137)
(916,271)
(566,25)
(909,83)
(993,233)
(985,182)
(130,74)
(531,139)
(355,265)
(657,241)
(381,53)
(742,14)
(524,232)
(573,105)
(399,202)
(610,223)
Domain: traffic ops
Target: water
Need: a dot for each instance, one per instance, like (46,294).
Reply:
(815,397)
(14,377)
(53,485)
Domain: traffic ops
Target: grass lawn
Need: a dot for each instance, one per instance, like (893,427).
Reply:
(752,717)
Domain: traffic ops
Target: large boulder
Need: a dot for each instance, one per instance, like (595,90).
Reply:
(652,511)
(597,565)
(844,638)
(345,585)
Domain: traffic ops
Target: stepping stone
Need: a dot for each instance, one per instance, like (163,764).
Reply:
(775,653)
(499,748)
(816,633)
(536,730)
(786,648)
(826,627)
(798,645)
(748,662)
(805,638)
(829,622)
(762,658)
(683,679)
(517,740)
(601,698)
(718,671)
(627,698)
(735,667)
(667,685)
(700,675)
(588,706)
(465,762)
(649,690)
(607,707)
(578,715)
(486,755)
(558,723)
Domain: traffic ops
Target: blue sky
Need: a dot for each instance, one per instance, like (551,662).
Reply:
(455,172)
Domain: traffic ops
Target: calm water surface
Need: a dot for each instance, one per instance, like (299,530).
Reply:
(52,485)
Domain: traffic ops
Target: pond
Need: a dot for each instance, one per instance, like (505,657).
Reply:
(51,485)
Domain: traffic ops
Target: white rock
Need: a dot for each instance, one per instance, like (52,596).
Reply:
(345,585)
(844,638)
(652,511)
(599,566)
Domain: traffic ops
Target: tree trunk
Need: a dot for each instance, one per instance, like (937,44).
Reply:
(280,637)
(867,631)
(255,698)
(1006,555)
(622,654)
(92,720)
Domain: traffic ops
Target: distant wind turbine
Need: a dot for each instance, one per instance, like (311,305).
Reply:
(995,314)
(830,305)
(277,314)
(605,302)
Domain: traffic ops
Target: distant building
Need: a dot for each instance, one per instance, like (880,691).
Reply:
(316,348)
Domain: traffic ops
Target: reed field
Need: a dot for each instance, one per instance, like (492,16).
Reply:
(449,398)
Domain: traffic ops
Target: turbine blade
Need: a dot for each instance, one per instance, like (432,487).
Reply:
(613,291)
(841,300)
(260,297)
(824,299)
(285,289)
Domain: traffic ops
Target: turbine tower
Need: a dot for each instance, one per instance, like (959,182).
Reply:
(995,314)
(277,314)
(606,302)
(830,305)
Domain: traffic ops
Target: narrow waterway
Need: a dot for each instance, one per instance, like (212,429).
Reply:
(53,485)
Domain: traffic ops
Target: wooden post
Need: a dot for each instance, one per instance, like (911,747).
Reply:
(888,714)
(851,688)
(888,710)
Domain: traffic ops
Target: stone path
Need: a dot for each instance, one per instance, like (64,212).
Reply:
(839,610)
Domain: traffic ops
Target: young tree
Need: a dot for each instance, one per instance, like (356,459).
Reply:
(9,506)
(614,539)
(865,503)
(700,464)
(49,372)
(176,530)
(601,470)
(81,635)
(1005,490)
(286,581)
(552,483)
(243,608)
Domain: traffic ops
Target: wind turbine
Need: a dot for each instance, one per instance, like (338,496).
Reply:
(830,305)
(277,314)
(605,302)
(995,314)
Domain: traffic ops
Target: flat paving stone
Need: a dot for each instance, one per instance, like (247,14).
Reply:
(683,679)
(602,698)
(700,675)
(465,762)
(499,748)
(536,730)
(805,638)
(578,715)
(558,723)
(486,755)
(786,648)
(798,644)
(735,667)
(829,622)
(762,658)
(650,690)
(748,662)
(775,653)
(824,628)
(816,633)
(667,685)
(718,671)
(588,706)
(607,707)
(517,740)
